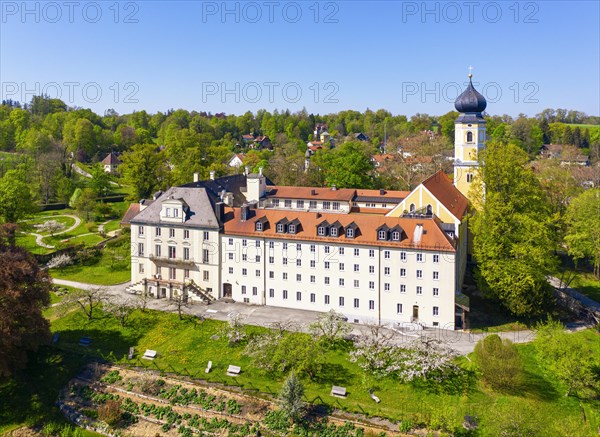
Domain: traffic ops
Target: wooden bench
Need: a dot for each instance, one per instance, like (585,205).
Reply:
(337,391)
(149,354)
(85,341)
(233,370)
(131,353)
(208,367)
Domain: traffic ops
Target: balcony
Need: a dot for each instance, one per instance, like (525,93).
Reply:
(171,261)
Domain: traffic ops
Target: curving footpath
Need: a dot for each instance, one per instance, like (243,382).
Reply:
(39,238)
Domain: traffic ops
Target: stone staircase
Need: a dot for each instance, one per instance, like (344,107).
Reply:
(191,287)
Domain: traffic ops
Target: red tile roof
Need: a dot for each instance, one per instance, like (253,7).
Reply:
(283,192)
(132,211)
(111,159)
(433,238)
(440,185)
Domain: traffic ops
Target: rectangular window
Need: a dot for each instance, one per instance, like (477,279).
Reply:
(386,286)
(271,292)
(284,276)
(313,297)
(402,273)
(300,204)
(326,205)
(244,243)
(341,301)
(276,203)
(436,311)
(298,248)
(436,275)
(271,260)
(257,273)
(419,257)
(186,273)
(230,242)
(287,203)
(356,283)
(257,243)
(205,275)
(436,258)
(419,289)
(402,256)
(257,258)
(172,273)
(171,233)
(386,271)
(312,204)
(399,308)
(326,280)
(168,212)
(140,231)
(313,279)
(285,294)
(356,252)
(285,246)
(254,291)
(371,285)
(175,212)
(341,267)
(371,269)
(326,299)
(341,282)
(371,253)
(172,252)
(357,267)
(298,296)
(386,254)
(284,261)
(402,288)
(341,251)
(313,263)
(157,232)
(231,270)
(356,303)
(205,235)
(271,245)
(312,248)
(186,234)
(327,249)
(205,256)
(436,292)
(298,262)
(157,250)
(244,272)
(371,304)
(271,275)
(419,274)
(298,277)
(230,256)
(336,206)
(141,268)
(326,265)
(333,231)
(243,289)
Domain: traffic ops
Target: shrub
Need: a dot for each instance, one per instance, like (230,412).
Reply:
(499,362)
(110,412)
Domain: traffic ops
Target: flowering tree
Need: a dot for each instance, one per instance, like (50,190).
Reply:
(426,358)
(235,330)
(375,353)
(51,226)
(330,327)
(59,261)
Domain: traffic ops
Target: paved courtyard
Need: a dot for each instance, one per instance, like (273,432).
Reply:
(461,341)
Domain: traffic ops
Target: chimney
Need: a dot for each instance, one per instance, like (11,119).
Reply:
(196,177)
(417,234)
(220,211)
(334,187)
(382,191)
(313,192)
(246,170)
(245,212)
(212,175)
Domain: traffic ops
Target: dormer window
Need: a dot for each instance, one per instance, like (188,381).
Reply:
(322,231)
(168,212)
(396,236)
(294,226)
(349,233)
(292,229)
(280,228)
(259,226)
(382,235)
(333,232)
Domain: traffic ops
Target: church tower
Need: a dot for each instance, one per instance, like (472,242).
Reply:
(469,137)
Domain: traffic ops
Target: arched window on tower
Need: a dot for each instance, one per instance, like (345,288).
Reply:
(429,210)
(469,137)
(412,207)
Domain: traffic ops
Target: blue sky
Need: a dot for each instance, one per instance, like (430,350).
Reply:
(327,56)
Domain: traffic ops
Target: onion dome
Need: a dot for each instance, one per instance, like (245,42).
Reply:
(470,101)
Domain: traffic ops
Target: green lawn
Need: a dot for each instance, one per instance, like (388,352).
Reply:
(102,271)
(112,225)
(586,283)
(67,222)
(28,242)
(186,346)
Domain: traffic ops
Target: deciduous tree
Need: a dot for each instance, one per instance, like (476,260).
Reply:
(144,170)
(583,227)
(499,362)
(331,327)
(16,201)
(24,291)
(87,300)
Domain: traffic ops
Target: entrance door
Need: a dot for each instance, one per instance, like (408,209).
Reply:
(415,316)
(227,290)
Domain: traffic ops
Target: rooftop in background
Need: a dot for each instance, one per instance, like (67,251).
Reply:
(440,185)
